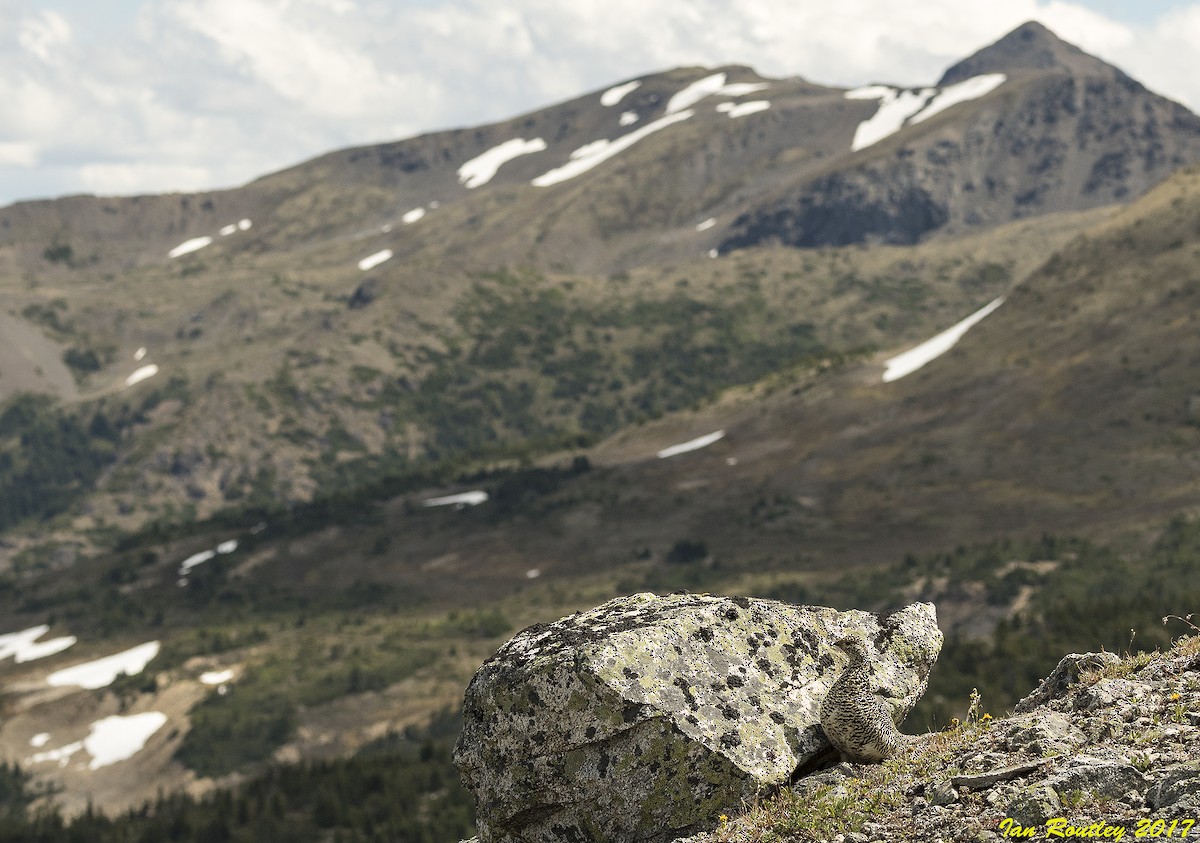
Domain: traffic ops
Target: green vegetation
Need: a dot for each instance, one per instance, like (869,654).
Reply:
(402,787)
(1078,597)
(82,360)
(58,252)
(50,457)
(258,714)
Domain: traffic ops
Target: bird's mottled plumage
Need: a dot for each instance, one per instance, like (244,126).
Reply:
(856,721)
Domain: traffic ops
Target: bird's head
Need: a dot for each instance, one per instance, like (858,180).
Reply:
(853,646)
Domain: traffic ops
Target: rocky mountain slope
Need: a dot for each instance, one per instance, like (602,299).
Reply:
(344,429)
(276,340)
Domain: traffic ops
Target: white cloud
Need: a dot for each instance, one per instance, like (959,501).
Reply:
(290,46)
(43,34)
(205,93)
(18,154)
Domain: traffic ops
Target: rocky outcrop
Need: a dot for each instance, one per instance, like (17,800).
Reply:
(645,718)
(1104,749)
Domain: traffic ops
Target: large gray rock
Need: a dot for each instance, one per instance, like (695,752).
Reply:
(647,717)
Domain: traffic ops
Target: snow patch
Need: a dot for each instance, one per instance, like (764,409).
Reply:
(695,92)
(140,354)
(968,89)
(895,107)
(464,499)
(24,646)
(691,445)
(740,89)
(195,559)
(103,672)
(627,118)
(244,225)
(713,253)
(898,107)
(480,170)
(228,229)
(741,109)
(372,261)
(707,224)
(141,374)
(216,677)
(205,555)
(870,92)
(117,738)
(193,245)
(597,152)
(617,93)
(532,574)
(111,740)
(39,740)
(915,358)
(412,216)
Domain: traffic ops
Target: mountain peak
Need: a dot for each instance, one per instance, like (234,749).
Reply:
(1031,46)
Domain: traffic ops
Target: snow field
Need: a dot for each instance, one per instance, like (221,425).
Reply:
(617,93)
(900,107)
(695,92)
(894,108)
(141,374)
(110,740)
(915,358)
(103,672)
(597,152)
(480,169)
(203,556)
(372,261)
(198,243)
(968,89)
(691,445)
(188,246)
(24,646)
(741,109)
(464,499)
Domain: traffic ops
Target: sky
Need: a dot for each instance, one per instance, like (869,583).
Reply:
(156,96)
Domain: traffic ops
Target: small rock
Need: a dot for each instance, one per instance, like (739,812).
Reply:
(1103,778)
(943,793)
(1108,692)
(1034,805)
(1064,675)
(1044,732)
(1179,788)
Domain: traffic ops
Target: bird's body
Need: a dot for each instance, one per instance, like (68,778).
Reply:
(857,722)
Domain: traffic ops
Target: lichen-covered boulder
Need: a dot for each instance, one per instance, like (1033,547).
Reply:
(647,717)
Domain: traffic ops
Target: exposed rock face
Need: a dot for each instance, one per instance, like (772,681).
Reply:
(647,717)
(1065,131)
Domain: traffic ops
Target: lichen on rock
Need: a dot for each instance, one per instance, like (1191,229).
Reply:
(645,718)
